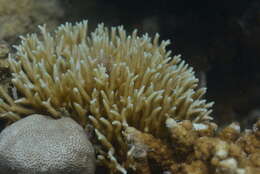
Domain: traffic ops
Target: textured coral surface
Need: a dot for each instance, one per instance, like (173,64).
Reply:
(39,144)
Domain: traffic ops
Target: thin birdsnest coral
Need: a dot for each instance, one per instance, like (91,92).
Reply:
(108,79)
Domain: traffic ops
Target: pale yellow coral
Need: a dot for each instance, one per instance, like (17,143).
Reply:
(105,78)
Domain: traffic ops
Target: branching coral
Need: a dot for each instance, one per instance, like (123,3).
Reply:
(106,78)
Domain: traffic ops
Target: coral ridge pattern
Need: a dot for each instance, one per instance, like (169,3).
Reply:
(39,144)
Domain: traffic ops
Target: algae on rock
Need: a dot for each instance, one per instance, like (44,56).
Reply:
(22,16)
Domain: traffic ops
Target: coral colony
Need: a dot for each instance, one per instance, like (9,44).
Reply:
(105,78)
(127,87)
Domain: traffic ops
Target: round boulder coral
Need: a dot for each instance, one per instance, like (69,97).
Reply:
(40,144)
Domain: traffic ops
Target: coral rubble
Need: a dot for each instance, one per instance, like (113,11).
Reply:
(120,84)
(195,148)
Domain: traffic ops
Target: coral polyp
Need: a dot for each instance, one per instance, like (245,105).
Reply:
(106,79)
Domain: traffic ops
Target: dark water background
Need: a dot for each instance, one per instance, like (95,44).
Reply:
(219,38)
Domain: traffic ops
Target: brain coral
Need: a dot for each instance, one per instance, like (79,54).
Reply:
(105,78)
(42,145)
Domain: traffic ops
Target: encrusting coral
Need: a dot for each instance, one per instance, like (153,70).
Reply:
(108,79)
(196,148)
(227,151)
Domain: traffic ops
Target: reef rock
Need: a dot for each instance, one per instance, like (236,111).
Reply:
(40,144)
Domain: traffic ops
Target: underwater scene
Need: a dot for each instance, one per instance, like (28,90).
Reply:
(129,87)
